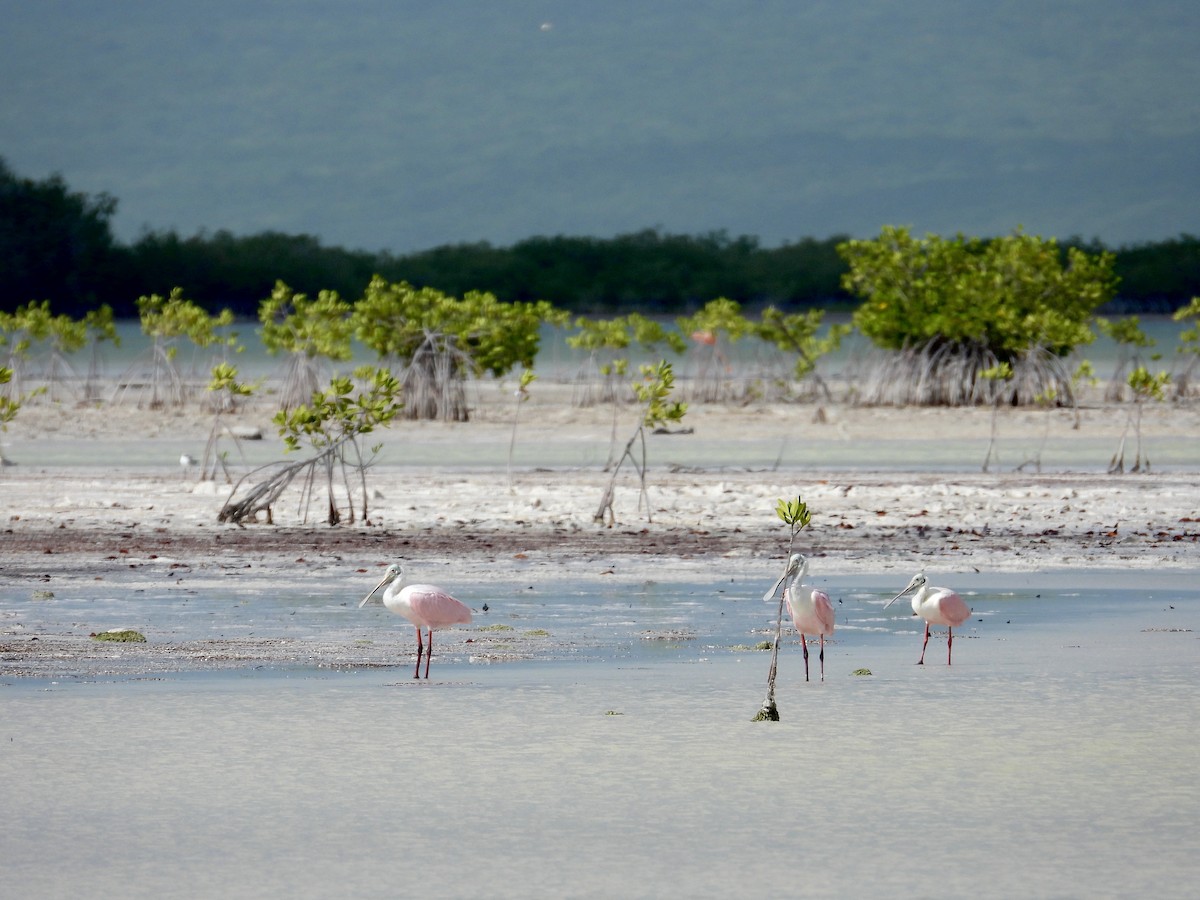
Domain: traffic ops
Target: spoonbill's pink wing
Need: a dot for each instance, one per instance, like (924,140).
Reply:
(811,614)
(434,608)
(824,611)
(951,609)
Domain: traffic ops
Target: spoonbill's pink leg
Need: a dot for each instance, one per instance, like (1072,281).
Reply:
(921,661)
(949,643)
(420,650)
(804,645)
(822,657)
(428,653)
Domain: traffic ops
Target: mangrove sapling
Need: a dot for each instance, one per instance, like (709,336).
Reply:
(437,342)
(521,394)
(9,406)
(313,333)
(166,320)
(1131,341)
(999,375)
(604,340)
(1049,403)
(652,391)
(101,327)
(1145,387)
(794,514)
(332,425)
(1189,346)
(718,323)
(20,330)
(602,376)
(1046,402)
(796,333)
(62,336)
(225,389)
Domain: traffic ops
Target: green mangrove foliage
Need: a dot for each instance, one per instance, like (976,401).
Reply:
(100,326)
(712,328)
(1189,345)
(9,405)
(438,341)
(167,321)
(34,324)
(799,335)
(313,333)
(225,389)
(654,393)
(607,343)
(948,309)
(332,425)
(1131,341)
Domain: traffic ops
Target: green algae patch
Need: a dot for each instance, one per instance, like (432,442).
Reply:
(121,635)
(742,648)
(861,672)
(496,628)
(537,632)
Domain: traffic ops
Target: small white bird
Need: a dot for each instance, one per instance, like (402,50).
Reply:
(937,606)
(186,461)
(812,613)
(425,605)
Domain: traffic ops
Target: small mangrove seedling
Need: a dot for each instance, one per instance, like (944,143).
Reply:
(1145,387)
(794,514)
(521,394)
(225,389)
(653,391)
(999,377)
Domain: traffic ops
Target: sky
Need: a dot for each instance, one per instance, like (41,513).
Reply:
(401,126)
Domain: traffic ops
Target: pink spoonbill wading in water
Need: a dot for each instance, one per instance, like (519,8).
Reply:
(937,606)
(811,612)
(425,605)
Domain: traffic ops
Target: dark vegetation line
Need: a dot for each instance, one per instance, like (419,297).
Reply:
(57,245)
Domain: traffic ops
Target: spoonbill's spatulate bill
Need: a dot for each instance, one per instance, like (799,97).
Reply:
(937,606)
(425,605)
(811,612)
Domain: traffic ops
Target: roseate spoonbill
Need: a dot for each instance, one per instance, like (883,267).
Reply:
(811,613)
(937,606)
(424,605)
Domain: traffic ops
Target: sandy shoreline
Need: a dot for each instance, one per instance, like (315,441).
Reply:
(88,479)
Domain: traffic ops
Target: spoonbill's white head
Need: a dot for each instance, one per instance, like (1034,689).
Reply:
(393,572)
(796,567)
(918,582)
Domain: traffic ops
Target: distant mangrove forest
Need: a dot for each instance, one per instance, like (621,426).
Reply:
(57,245)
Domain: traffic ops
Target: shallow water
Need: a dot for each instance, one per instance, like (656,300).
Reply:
(1054,758)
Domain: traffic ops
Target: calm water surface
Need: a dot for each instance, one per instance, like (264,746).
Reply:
(1055,758)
